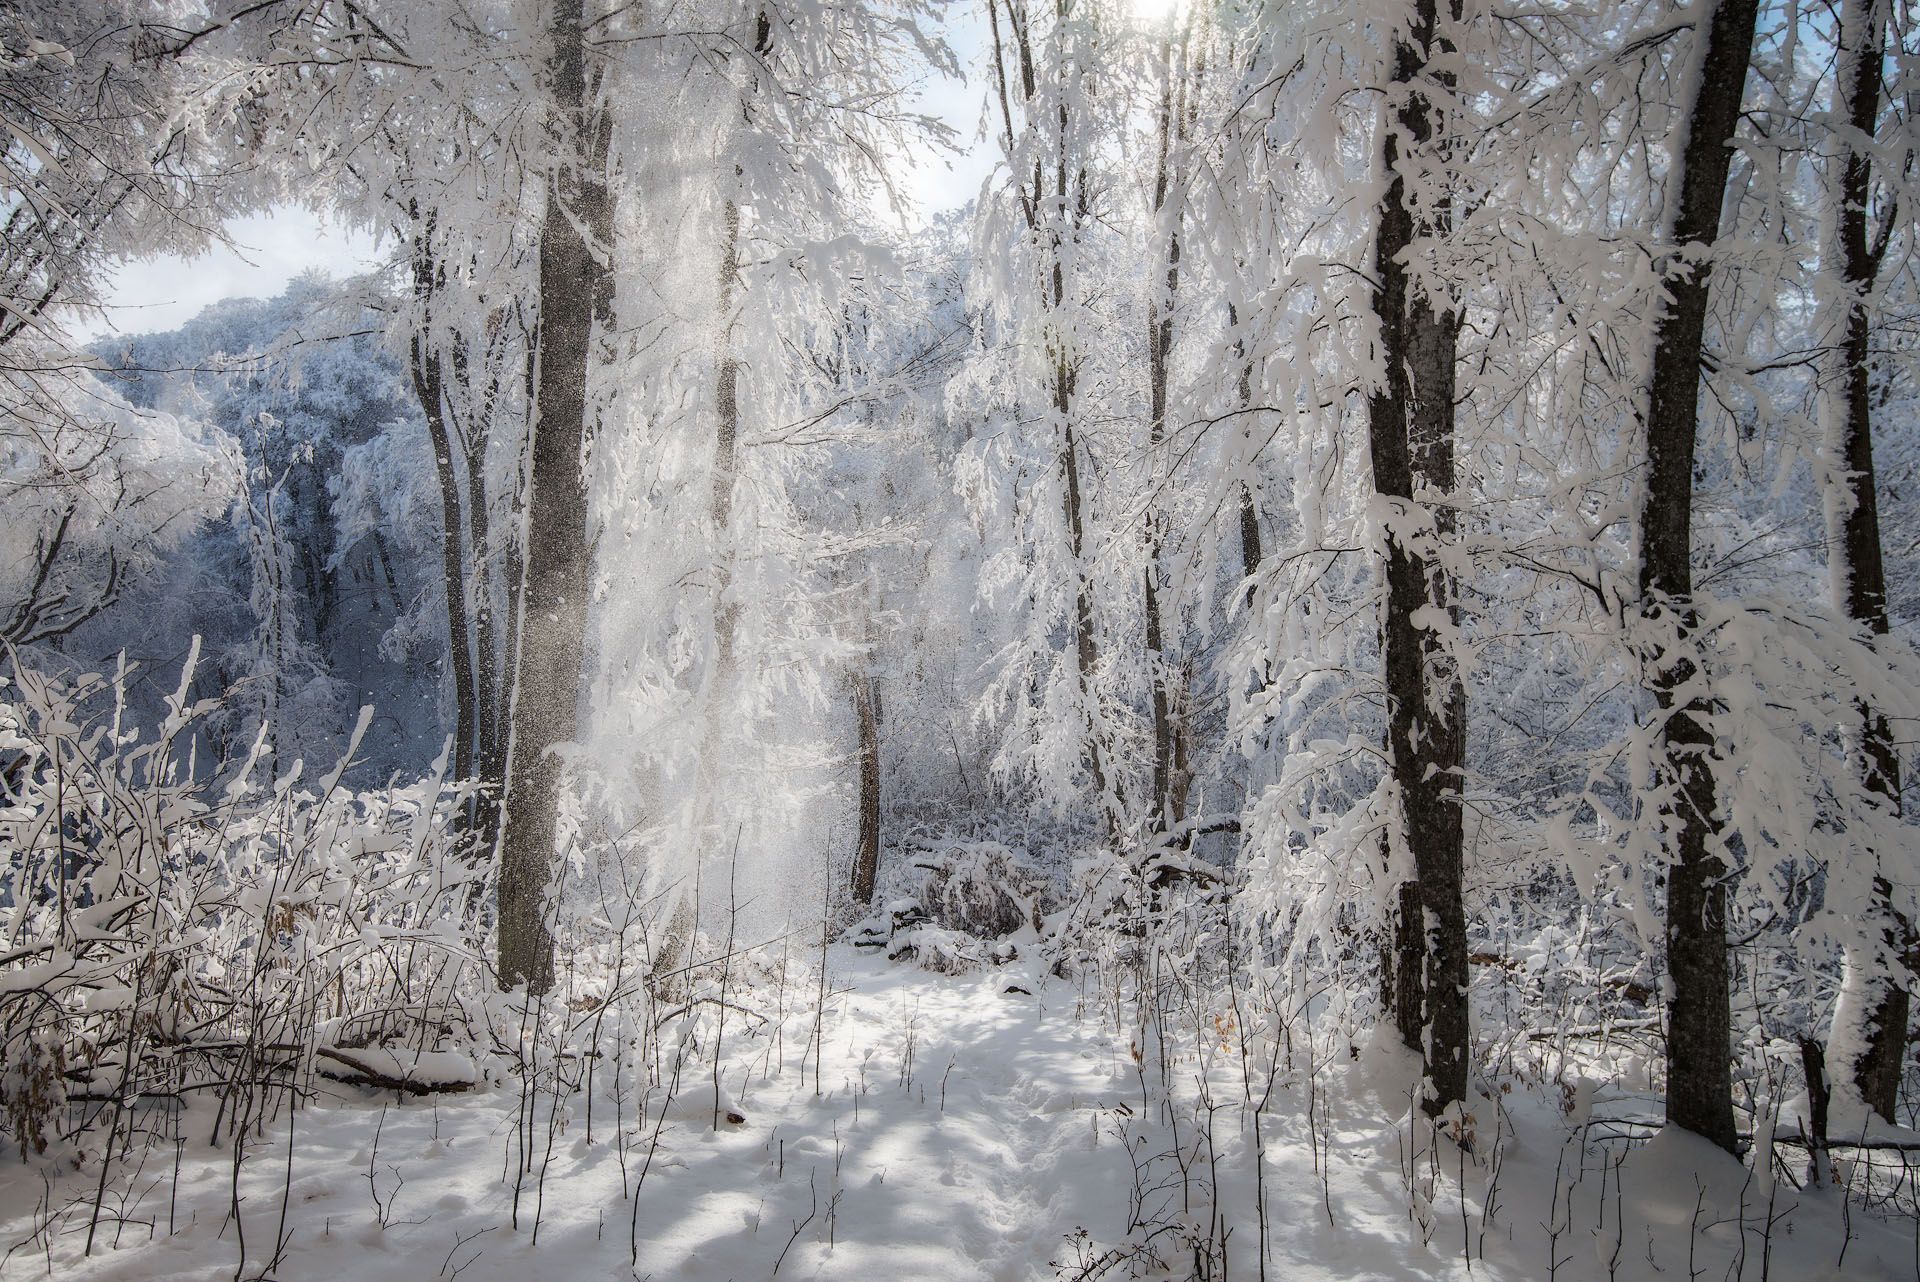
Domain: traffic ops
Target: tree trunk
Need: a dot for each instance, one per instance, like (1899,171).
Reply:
(488,680)
(683,919)
(429,388)
(1411,428)
(1699,1054)
(1870,1019)
(1085,647)
(866,855)
(575,288)
(726,448)
(1250,551)
(1166,800)
(1813,1067)
(490,741)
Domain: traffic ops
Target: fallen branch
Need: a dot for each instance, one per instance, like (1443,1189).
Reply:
(364,1074)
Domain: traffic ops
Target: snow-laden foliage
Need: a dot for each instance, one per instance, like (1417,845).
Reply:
(163,938)
(309,581)
(1353,563)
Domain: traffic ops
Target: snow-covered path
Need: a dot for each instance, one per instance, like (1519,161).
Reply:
(973,1157)
(959,1132)
(955,1126)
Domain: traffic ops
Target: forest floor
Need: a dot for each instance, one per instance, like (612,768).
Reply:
(955,1131)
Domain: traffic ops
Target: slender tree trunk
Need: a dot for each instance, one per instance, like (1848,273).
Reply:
(1699,1053)
(489,740)
(386,569)
(1085,643)
(866,855)
(429,388)
(1870,1019)
(1085,647)
(683,921)
(726,445)
(576,288)
(1411,429)
(1167,796)
(1250,552)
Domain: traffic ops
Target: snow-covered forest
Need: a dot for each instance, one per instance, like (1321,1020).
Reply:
(949,639)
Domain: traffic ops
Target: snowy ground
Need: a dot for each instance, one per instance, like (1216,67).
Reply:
(960,1131)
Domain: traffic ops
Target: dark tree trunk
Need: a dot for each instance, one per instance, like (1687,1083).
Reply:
(1411,430)
(386,569)
(429,388)
(575,289)
(1085,647)
(1168,795)
(1249,509)
(490,740)
(1699,1054)
(1860,580)
(1813,1067)
(488,679)
(866,855)
(1249,536)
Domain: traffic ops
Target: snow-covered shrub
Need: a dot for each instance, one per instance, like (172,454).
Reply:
(165,932)
(1104,895)
(935,948)
(32,1084)
(972,897)
(980,889)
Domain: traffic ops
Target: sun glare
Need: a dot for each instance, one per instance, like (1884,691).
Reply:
(1153,12)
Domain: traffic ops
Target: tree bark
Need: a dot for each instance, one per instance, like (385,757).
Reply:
(1085,647)
(866,855)
(1699,1052)
(429,388)
(488,678)
(1873,1010)
(576,288)
(1250,551)
(1168,796)
(1411,431)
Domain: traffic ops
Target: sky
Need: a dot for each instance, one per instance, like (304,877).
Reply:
(270,248)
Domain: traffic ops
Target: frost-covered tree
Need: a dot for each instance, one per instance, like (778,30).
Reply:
(1870,1018)
(1699,1027)
(110,147)
(306,591)
(1045,307)
(1410,429)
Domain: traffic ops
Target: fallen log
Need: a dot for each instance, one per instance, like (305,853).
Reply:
(414,1073)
